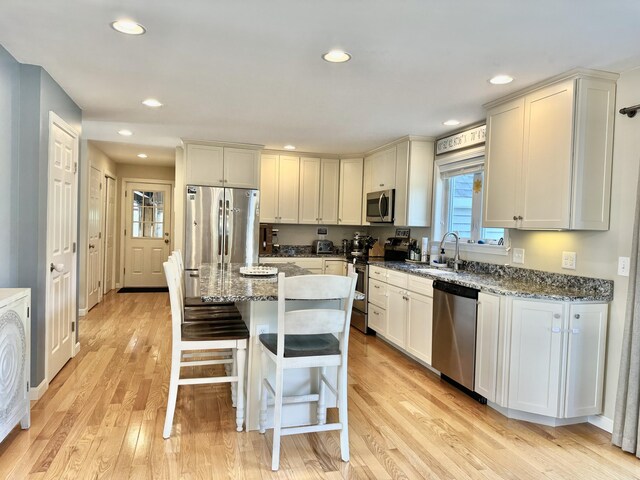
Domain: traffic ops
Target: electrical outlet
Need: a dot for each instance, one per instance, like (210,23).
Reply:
(623,266)
(260,329)
(518,255)
(569,260)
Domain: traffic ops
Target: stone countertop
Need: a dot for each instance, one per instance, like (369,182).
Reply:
(330,256)
(516,282)
(228,285)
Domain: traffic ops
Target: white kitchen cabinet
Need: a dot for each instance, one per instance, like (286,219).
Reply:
(377,319)
(366,186)
(319,185)
(414,183)
(549,152)
(378,293)
(279,188)
(487,331)
(383,169)
(350,191)
(536,350)
(419,326)
(335,267)
(586,333)
(397,306)
(216,165)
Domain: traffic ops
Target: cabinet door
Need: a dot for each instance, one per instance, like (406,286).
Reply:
(329,187)
(585,360)
(377,319)
(350,193)
(397,303)
(366,186)
(309,210)
(384,170)
(269,188)
(546,165)
(334,267)
(314,265)
(288,185)
(378,293)
(241,168)
(205,165)
(419,326)
(536,351)
(487,345)
(505,129)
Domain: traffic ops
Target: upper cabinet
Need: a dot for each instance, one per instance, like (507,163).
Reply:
(221,166)
(549,152)
(319,185)
(350,193)
(279,188)
(383,169)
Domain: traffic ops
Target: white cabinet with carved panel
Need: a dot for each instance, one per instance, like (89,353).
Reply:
(414,183)
(487,332)
(15,360)
(350,195)
(221,166)
(279,188)
(335,267)
(397,306)
(419,326)
(319,185)
(377,319)
(383,169)
(241,168)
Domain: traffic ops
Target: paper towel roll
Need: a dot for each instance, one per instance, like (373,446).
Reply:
(424,249)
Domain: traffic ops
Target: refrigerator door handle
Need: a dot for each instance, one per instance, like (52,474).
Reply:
(226,232)
(220,227)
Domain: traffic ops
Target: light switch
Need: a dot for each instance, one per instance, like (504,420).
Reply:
(569,260)
(623,266)
(518,255)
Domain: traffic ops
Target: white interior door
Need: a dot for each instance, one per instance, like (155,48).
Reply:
(147,233)
(61,245)
(94,274)
(109,234)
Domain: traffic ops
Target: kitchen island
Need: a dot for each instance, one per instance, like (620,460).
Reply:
(256,298)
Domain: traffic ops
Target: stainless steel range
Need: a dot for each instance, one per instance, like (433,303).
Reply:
(359,312)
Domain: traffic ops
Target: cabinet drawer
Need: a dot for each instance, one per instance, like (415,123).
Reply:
(420,285)
(397,279)
(378,293)
(377,319)
(378,273)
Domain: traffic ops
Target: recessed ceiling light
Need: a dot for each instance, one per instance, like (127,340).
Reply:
(337,56)
(152,102)
(501,79)
(142,155)
(128,27)
(289,147)
(125,133)
(451,123)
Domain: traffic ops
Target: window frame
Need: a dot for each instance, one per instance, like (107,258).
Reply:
(469,159)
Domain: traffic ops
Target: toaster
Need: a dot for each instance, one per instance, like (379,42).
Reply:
(322,246)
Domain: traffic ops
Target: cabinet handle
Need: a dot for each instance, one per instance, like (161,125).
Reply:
(339,219)
(556,315)
(576,316)
(382,184)
(376,286)
(555,330)
(575,331)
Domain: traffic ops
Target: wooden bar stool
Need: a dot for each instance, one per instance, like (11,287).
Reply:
(205,339)
(307,339)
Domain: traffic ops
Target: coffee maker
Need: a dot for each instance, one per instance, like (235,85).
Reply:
(397,248)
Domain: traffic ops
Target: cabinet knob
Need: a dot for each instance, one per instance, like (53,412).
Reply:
(515,218)
(520,217)
(221,180)
(576,316)
(556,315)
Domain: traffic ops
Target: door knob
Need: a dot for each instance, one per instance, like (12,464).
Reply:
(58,267)
(166,240)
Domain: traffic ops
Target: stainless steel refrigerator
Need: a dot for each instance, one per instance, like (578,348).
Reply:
(222,226)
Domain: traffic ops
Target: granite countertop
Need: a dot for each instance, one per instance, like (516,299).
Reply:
(228,285)
(515,282)
(331,256)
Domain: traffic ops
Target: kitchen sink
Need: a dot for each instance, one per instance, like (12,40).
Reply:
(434,271)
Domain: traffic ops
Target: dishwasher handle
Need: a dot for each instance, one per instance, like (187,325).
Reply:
(454,289)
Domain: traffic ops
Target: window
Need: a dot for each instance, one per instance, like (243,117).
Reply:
(148,214)
(458,202)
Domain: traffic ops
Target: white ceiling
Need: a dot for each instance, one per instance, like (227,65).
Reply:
(250,71)
(128,153)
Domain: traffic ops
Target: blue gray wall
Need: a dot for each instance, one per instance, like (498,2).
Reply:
(33,95)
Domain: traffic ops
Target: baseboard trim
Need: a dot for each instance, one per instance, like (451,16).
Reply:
(602,422)
(82,312)
(76,349)
(117,285)
(36,393)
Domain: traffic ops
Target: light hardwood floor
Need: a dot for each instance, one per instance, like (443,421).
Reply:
(102,418)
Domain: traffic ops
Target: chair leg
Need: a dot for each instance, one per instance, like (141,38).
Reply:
(234,371)
(277,421)
(343,412)
(322,389)
(239,367)
(173,393)
(263,393)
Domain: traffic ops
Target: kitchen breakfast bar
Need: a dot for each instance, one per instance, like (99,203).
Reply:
(256,299)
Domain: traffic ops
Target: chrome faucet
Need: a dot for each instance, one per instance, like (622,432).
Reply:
(456,258)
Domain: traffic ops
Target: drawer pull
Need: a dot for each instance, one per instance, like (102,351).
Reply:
(577,316)
(556,315)
(555,330)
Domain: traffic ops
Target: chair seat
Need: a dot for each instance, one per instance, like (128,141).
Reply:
(211,314)
(196,302)
(200,331)
(303,345)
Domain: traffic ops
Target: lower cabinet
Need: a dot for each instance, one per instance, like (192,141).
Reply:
(315,265)
(419,325)
(335,267)
(377,318)
(397,306)
(487,332)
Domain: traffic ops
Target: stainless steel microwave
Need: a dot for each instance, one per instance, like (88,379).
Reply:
(380,206)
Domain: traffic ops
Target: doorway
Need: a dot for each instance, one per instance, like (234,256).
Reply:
(94,256)
(147,240)
(108,276)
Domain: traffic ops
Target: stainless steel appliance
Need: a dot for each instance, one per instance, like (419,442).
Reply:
(380,206)
(454,332)
(359,312)
(322,247)
(222,226)
(397,248)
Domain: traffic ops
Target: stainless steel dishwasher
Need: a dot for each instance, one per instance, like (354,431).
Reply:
(454,332)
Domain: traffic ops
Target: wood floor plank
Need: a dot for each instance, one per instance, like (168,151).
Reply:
(103,415)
